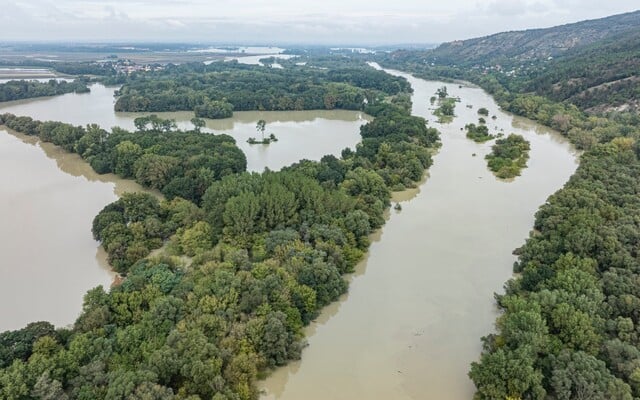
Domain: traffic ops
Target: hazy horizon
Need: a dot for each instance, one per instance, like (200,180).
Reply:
(332,22)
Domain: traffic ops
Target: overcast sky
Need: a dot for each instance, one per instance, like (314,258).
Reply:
(289,21)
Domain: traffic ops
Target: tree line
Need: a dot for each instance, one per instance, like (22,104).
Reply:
(27,89)
(66,67)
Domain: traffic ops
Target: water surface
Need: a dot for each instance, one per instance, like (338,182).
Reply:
(48,199)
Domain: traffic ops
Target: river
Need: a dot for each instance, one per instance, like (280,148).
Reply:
(417,307)
(48,198)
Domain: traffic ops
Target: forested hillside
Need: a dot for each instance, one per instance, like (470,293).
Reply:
(513,48)
(600,77)
(597,73)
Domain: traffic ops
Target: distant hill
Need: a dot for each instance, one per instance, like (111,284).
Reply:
(602,76)
(593,64)
(533,44)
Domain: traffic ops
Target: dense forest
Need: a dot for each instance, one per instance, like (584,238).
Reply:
(217,89)
(569,327)
(26,89)
(245,265)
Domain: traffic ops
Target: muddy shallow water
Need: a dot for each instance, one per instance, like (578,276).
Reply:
(48,199)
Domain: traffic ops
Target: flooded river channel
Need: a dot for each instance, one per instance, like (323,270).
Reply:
(416,308)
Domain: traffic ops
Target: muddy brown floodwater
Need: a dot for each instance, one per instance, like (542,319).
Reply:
(411,322)
(48,199)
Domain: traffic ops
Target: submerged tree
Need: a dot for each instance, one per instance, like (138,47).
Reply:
(198,124)
(261,126)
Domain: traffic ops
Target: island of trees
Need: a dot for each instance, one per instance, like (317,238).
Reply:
(478,133)
(508,156)
(259,256)
(483,111)
(446,106)
(176,163)
(26,89)
(218,89)
(261,126)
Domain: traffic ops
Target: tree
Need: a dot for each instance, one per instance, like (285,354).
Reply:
(198,123)
(168,125)
(214,109)
(276,341)
(196,239)
(507,374)
(577,375)
(446,108)
(241,218)
(127,154)
(261,126)
(141,123)
(17,345)
(155,171)
(48,389)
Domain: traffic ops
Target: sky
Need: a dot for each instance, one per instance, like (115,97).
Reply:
(366,22)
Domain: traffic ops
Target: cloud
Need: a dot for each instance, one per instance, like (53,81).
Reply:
(174,23)
(262,21)
(511,8)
